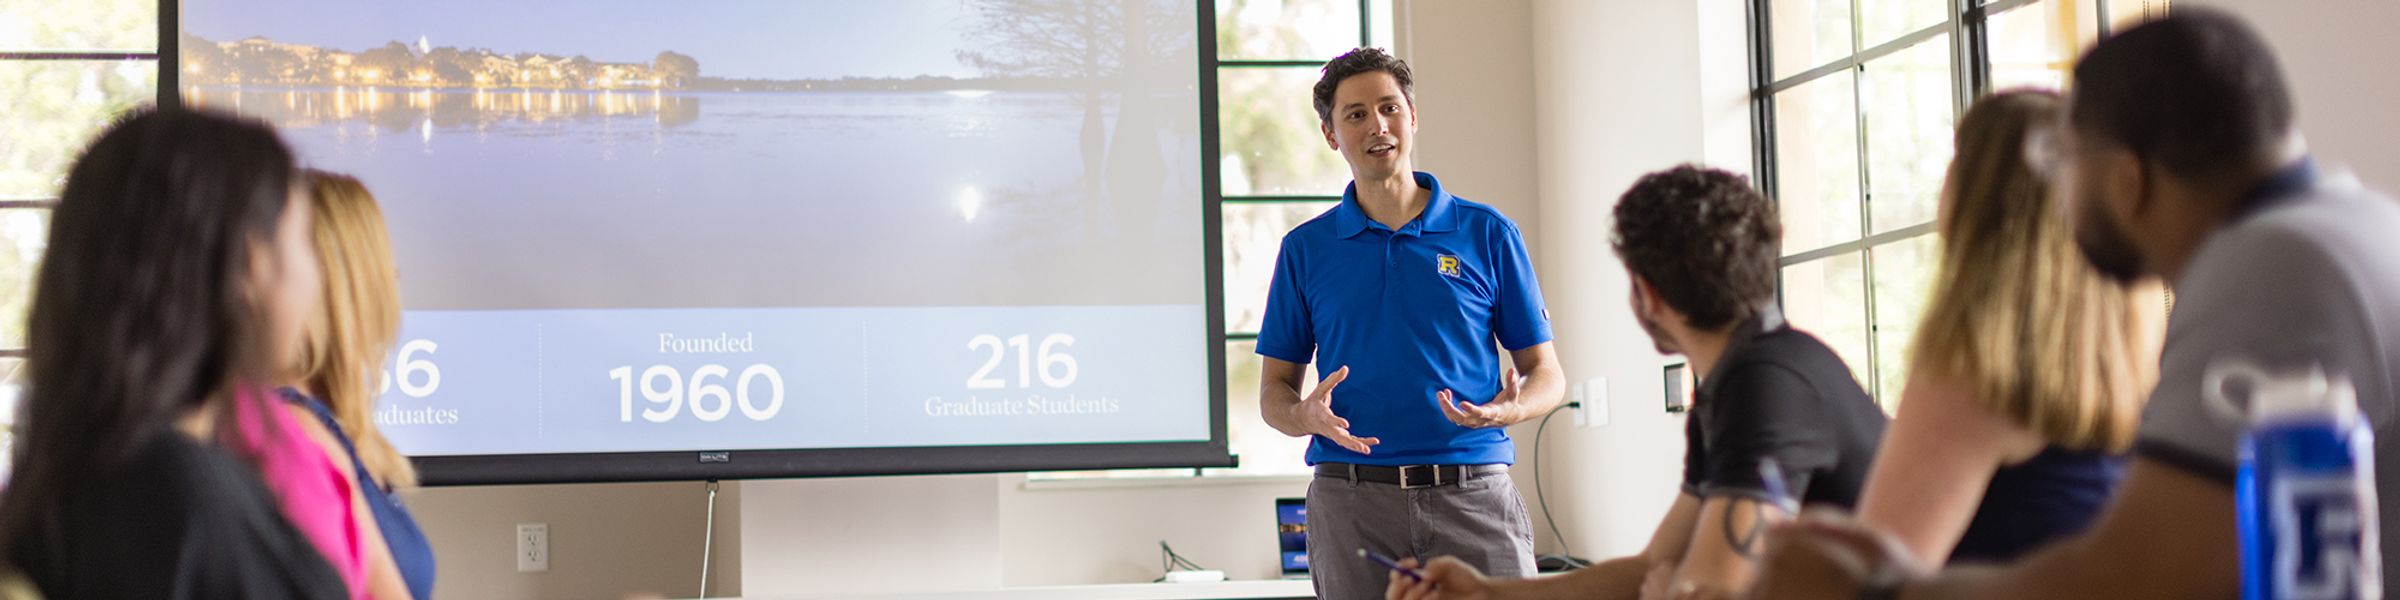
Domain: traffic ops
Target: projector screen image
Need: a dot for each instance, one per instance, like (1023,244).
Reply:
(627,227)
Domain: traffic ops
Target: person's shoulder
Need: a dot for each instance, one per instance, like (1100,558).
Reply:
(171,465)
(1798,355)
(1320,227)
(1480,216)
(1785,347)
(2332,240)
(1770,363)
(2330,214)
(168,487)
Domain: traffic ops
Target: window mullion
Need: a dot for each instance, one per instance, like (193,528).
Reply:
(1866,204)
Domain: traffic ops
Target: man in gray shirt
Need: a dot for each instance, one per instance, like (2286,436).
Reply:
(2180,159)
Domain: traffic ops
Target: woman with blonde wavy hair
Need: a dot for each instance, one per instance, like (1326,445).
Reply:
(2028,371)
(339,374)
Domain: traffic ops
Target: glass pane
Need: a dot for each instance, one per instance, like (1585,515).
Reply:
(1286,29)
(11,383)
(1379,23)
(1264,451)
(1268,132)
(54,108)
(2035,45)
(1908,133)
(1887,20)
(79,25)
(2123,14)
(1904,273)
(1809,33)
(1253,236)
(24,233)
(1828,298)
(1816,162)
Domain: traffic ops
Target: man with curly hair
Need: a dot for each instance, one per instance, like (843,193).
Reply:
(1778,420)
(1401,294)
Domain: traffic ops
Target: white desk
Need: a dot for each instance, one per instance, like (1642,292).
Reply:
(1225,590)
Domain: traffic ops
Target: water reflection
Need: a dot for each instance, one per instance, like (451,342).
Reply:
(398,110)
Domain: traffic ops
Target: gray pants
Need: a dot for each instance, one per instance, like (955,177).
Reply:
(1481,521)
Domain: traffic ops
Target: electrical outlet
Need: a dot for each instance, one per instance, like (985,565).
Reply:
(1575,394)
(533,547)
(1594,412)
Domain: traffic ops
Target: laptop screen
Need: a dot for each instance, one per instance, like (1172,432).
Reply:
(1291,531)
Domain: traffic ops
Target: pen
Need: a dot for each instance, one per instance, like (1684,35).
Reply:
(1387,563)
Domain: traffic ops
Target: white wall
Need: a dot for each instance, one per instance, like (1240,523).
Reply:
(2338,54)
(1622,89)
(606,541)
(1474,67)
(902,534)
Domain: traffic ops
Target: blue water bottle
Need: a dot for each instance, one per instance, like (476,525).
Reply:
(2305,490)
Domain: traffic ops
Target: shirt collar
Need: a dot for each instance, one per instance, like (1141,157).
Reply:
(2287,182)
(1350,220)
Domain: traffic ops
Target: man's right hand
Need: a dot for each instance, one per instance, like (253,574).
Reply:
(1830,556)
(1315,416)
(1446,578)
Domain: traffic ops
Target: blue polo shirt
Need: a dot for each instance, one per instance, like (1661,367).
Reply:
(1411,312)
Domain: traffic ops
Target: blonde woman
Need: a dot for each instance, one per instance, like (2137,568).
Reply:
(337,378)
(2028,370)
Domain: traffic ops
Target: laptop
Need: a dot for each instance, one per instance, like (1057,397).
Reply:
(1291,533)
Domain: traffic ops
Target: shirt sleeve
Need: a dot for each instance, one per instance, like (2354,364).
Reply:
(1286,333)
(2262,295)
(1519,317)
(1695,455)
(1762,411)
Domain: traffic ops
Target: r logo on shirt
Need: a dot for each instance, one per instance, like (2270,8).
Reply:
(1448,265)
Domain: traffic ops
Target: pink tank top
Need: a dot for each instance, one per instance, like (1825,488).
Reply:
(306,482)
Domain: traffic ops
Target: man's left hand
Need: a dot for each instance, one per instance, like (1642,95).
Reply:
(1502,411)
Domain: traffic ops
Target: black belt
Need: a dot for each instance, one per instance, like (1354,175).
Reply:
(1409,477)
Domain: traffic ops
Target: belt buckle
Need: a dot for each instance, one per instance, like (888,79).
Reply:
(1436,470)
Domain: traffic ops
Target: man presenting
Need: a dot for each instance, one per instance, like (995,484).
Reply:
(1402,290)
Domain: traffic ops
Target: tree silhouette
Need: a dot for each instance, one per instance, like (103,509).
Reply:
(578,71)
(675,70)
(204,56)
(393,59)
(1087,45)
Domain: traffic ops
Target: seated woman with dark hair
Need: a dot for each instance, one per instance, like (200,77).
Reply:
(178,270)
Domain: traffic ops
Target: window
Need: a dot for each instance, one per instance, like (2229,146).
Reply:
(67,69)
(1274,172)
(1855,102)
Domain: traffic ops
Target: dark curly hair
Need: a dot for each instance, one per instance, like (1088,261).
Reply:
(1353,63)
(1704,239)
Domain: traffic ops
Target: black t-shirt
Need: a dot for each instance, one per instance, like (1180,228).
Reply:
(179,520)
(1778,392)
